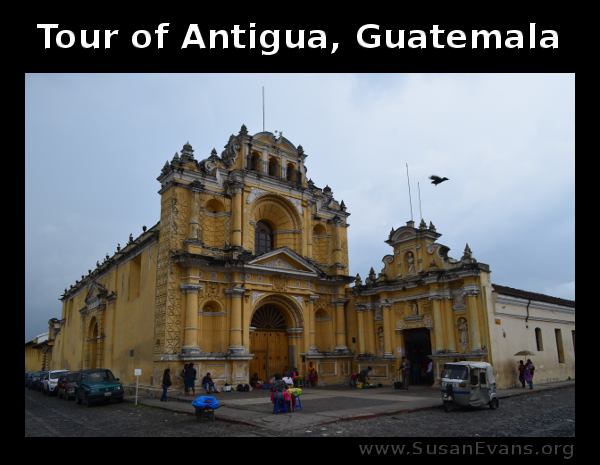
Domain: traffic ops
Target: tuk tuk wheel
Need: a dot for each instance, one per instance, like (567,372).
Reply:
(447,406)
(493,403)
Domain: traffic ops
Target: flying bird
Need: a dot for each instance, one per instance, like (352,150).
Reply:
(436,179)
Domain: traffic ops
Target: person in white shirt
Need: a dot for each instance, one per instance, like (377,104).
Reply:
(430,372)
(288,380)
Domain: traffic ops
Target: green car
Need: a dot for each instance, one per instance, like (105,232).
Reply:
(97,385)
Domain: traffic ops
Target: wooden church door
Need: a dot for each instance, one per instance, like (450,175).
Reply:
(268,343)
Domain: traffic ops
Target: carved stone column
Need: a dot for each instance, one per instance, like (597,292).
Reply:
(194,222)
(400,333)
(190,346)
(437,324)
(337,245)
(449,319)
(387,328)
(370,326)
(340,318)
(312,349)
(236,213)
(360,313)
(471,291)
(235,335)
(294,337)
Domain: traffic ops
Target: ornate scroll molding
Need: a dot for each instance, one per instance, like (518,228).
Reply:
(256,296)
(297,299)
(297,203)
(255,193)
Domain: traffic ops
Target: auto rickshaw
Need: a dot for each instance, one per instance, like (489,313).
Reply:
(468,384)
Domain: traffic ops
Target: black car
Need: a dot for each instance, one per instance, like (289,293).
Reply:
(31,379)
(38,383)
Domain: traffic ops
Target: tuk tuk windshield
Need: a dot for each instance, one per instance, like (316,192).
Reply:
(455,372)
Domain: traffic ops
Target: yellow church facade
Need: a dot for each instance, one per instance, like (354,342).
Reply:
(246,272)
(422,305)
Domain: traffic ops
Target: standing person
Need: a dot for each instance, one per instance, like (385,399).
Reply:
(415,371)
(166,382)
(528,373)
(313,376)
(190,378)
(430,372)
(207,382)
(182,374)
(532,367)
(521,369)
(424,370)
(405,365)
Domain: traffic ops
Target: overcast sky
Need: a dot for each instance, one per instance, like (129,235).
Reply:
(95,144)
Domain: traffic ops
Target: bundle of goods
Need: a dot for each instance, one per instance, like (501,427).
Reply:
(365,386)
(295,391)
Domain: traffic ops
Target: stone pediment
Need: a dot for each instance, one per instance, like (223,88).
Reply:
(96,296)
(283,259)
(96,290)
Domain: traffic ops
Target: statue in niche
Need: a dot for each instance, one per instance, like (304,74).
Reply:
(381,339)
(414,309)
(463,327)
(410,259)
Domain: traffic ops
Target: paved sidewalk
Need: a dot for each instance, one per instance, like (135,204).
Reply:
(321,405)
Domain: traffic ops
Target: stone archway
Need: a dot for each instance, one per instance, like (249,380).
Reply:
(281,214)
(276,323)
(92,344)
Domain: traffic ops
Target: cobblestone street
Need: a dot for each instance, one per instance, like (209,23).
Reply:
(542,414)
(539,414)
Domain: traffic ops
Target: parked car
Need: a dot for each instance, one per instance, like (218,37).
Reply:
(38,384)
(96,385)
(50,381)
(66,384)
(33,378)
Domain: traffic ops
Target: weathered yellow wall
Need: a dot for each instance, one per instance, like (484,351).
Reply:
(33,358)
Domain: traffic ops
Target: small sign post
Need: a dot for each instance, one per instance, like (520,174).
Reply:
(137,372)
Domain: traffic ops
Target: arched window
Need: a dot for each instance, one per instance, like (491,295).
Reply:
(263,238)
(538,339)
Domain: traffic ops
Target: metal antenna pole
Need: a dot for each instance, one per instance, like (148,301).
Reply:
(263,108)
(420,211)
(409,197)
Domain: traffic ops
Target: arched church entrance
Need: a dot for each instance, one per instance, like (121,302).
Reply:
(417,343)
(269,342)
(93,347)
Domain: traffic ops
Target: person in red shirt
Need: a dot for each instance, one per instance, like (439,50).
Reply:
(521,368)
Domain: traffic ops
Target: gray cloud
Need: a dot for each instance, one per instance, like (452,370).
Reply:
(96,143)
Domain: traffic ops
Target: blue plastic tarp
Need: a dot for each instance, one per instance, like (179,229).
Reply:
(201,402)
